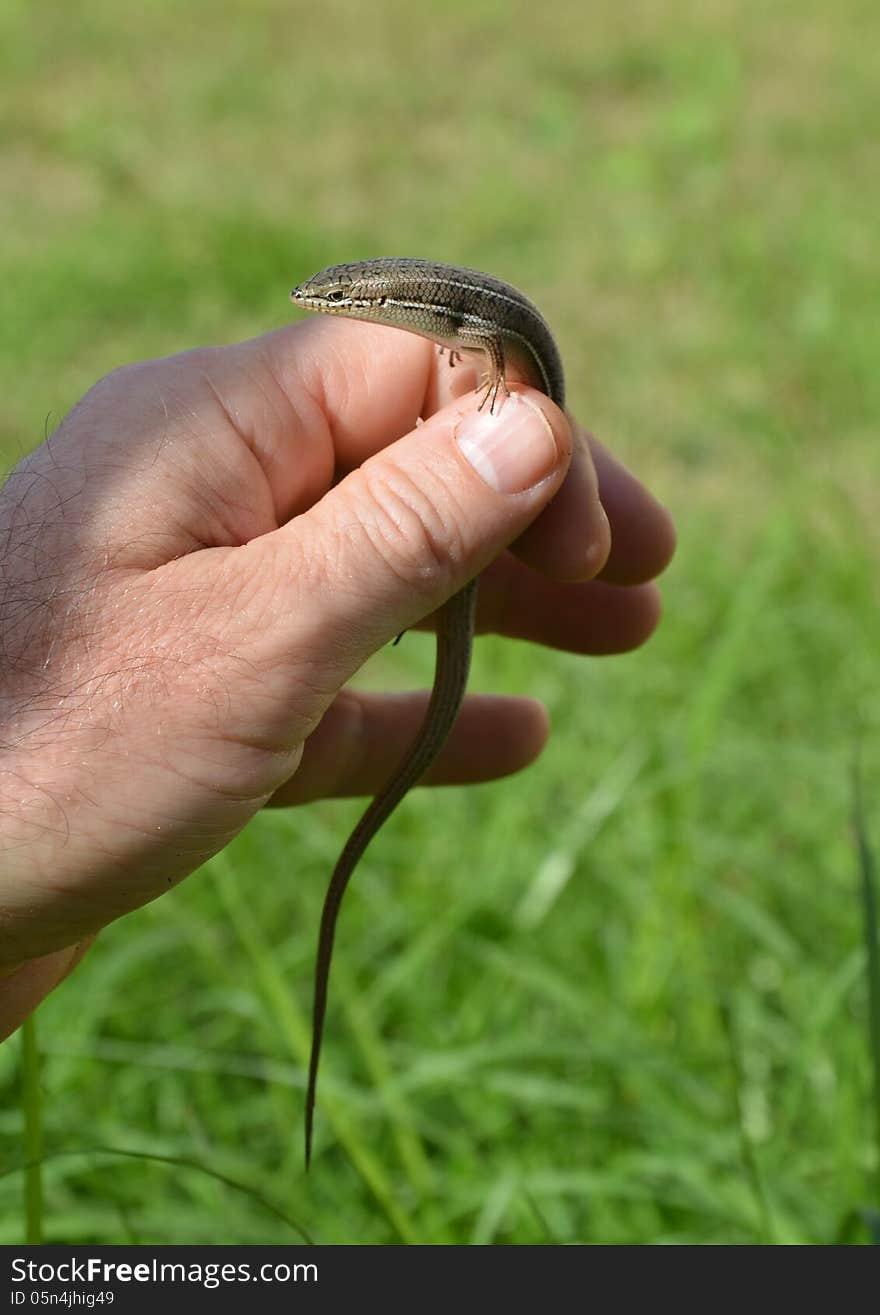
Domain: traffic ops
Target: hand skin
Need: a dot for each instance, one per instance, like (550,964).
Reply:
(211,545)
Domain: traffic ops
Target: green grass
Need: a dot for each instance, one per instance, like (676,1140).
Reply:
(622,998)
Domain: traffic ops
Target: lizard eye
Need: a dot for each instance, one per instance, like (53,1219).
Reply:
(336,294)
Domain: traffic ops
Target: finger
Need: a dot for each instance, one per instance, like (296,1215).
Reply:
(594,617)
(572,537)
(362,738)
(642,530)
(368,382)
(626,537)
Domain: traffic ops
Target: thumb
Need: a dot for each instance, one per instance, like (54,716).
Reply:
(412,525)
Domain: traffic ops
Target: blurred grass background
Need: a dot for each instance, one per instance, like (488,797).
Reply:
(622,997)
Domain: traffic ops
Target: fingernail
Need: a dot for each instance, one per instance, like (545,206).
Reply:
(511,450)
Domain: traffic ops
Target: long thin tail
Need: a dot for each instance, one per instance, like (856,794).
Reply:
(455,629)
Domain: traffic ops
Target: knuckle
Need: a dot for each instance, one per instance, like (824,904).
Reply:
(406,528)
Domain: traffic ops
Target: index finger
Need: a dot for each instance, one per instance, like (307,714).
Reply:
(370,381)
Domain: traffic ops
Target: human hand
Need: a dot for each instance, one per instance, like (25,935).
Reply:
(210,546)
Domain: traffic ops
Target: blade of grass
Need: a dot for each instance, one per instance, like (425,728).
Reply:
(491,1218)
(33,1134)
(747,1151)
(406,1134)
(539,1215)
(868,890)
(151,1157)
